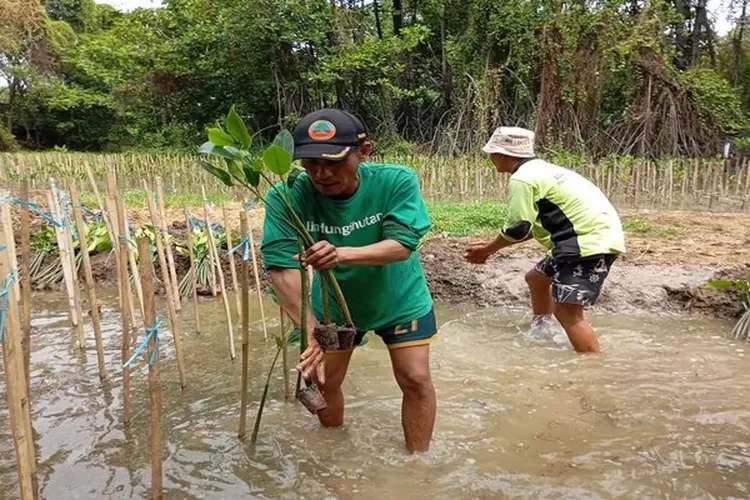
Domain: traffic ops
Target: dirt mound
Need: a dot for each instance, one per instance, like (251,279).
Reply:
(630,288)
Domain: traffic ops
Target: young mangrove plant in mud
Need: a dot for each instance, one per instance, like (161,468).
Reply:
(241,166)
(741,330)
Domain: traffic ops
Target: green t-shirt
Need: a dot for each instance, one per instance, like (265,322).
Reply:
(565,212)
(387,206)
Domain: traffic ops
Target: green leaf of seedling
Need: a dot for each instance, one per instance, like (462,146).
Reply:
(271,293)
(235,170)
(237,128)
(720,284)
(228,152)
(206,148)
(293,177)
(277,159)
(279,342)
(220,174)
(252,175)
(294,338)
(220,138)
(285,140)
(258,165)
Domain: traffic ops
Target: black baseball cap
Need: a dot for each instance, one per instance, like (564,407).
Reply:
(327,134)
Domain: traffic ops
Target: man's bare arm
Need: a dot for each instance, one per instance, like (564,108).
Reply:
(287,284)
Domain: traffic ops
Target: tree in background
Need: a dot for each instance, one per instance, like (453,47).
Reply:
(623,76)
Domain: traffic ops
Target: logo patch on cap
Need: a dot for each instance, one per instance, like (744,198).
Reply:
(321,130)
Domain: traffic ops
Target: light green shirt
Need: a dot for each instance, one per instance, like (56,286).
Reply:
(567,213)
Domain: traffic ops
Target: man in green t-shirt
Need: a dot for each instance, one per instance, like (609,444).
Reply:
(367,220)
(571,218)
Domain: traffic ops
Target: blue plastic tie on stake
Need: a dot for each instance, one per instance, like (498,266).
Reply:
(245,242)
(4,297)
(127,240)
(38,211)
(151,331)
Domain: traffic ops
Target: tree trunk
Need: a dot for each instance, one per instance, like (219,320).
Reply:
(11,105)
(737,45)
(397,17)
(682,43)
(447,87)
(699,25)
(377,19)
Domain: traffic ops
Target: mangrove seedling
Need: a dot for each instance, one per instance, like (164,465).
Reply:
(242,167)
(741,330)
(290,339)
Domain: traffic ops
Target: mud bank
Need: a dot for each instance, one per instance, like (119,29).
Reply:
(632,287)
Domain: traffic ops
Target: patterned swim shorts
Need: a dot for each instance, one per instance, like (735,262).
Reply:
(577,282)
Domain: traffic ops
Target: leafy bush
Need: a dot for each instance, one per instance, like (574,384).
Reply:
(716,98)
(7,140)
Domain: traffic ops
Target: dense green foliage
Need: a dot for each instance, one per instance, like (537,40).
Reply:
(437,76)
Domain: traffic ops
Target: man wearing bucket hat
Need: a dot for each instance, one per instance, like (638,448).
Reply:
(572,219)
(367,220)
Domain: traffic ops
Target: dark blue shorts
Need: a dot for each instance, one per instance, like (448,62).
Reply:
(578,282)
(419,331)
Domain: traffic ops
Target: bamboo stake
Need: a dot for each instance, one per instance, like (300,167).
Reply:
(89,278)
(685,176)
(217,261)
(232,268)
(639,181)
(126,305)
(25,277)
(257,281)
(245,314)
(15,376)
(738,181)
(194,269)
(696,171)
(8,222)
(106,215)
(68,231)
(714,186)
(170,257)
(131,260)
(174,320)
(127,321)
(669,184)
(747,187)
(284,356)
(65,259)
(212,266)
(154,388)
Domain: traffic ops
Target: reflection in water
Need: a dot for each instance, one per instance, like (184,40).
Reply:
(663,412)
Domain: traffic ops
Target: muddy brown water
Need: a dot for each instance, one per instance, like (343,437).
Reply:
(663,412)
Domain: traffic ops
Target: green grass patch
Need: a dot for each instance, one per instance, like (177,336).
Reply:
(136,198)
(640,225)
(637,225)
(467,218)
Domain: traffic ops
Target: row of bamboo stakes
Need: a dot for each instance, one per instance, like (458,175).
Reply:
(135,278)
(662,184)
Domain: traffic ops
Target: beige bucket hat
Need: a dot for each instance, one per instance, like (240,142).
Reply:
(511,141)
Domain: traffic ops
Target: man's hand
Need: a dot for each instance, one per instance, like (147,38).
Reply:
(312,361)
(479,251)
(322,255)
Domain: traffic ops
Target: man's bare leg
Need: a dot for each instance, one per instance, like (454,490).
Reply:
(336,365)
(540,286)
(411,366)
(580,333)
